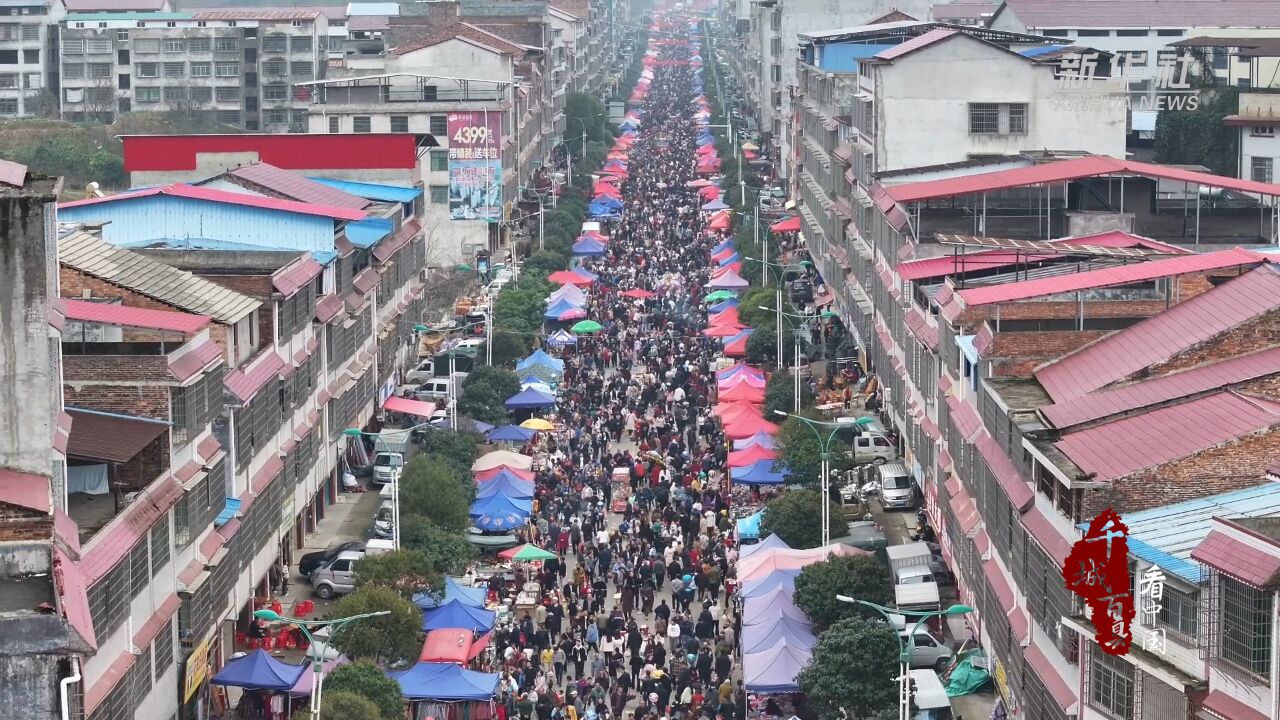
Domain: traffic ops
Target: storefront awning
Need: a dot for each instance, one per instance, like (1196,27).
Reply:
(409,406)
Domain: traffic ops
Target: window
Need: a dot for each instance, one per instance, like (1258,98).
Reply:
(1110,684)
(98,46)
(227,94)
(277,117)
(162,649)
(228,117)
(335,124)
(227,69)
(101,96)
(1263,131)
(361,124)
(74,71)
(99,71)
(1260,169)
(276,43)
(73,46)
(160,549)
(1170,33)
(439,125)
(275,92)
(1131,33)
(776,72)
(32,80)
(30,32)
(175,69)
(1056,33)
(198,45)
(201,94)
(301,69)
(147,94)
(275,68)
(8,81)
(440,195)
(400,123)
(139,569)
(439,161)
(173,46)
(201,69)
(175,93)
(148,70)
(148,46)
(984,118)
(1179,611)
(122,35)
(30,57)
(1246,626)
(775,46)
(1018,119)
(1093,33)
(8,106)
(124,81)
(224,44)
(300,43)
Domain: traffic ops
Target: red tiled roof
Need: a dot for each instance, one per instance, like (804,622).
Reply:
(305,351)
(1015,488)
(1039,14)
(1019,624)
(1162,336)
(192,571)
(1105,403)
(93,696)
(463,31)
(73,592)
(25,490)
(1229,708)
(62,433)
(192,192)
(384,250)
(145,634)
(366,280)
(1121,447)
(966,512)
(1060,689)
(1063,171)
(67,531)
(919,326)
(211,544)
(916,43)
(982,343)
(982,541)
(259,14)
(328,308)
(229,530)
(208,449)
(189,469)
(108,314)
(245,381)
(296,186)
(1107,277)
(999,585)
(1237,558)
(965,418)
(266,474)
(288,279)
(944,265)
(12,173)
(1040,527)
(114,542)
(187,361)
(109,437)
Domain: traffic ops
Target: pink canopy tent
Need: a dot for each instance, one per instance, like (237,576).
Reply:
(767,561)
(751,456)
(746,426)
(724,330)
(738,368)
(493,472)
(727,410)
(791,224)
(742,392)
(728,316)
(453,645)
(720,221)
(757,440)
(709,192)
(730,280)
(736,346)
(749,380)
(724,254)
(568,277)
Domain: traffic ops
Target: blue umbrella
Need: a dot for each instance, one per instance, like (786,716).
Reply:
(511,433)
(499,512)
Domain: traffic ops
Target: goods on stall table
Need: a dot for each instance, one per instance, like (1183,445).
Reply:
(620,492)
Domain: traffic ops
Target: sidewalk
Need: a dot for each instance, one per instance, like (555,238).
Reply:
(349,518)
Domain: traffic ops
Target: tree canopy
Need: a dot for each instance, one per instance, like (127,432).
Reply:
(364,679)
(457,450)
(860,576)
(405,571)
(447,551)
(854,670)
(801,451)
(430,490)
(779,394)
(1199,136)
(793,517)
(342,705)
(389,638)
(485,391)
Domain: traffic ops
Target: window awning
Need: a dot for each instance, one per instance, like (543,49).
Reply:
(409,406)
(108,437)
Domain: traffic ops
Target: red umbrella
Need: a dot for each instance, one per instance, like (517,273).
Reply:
(791,224)
(742,393)
(566,277)
(751,456)
(638,294)
(749,426)
(728,330)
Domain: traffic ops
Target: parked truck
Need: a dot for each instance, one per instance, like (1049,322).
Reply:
(914,586)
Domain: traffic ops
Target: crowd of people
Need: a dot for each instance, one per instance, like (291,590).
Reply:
(637,616)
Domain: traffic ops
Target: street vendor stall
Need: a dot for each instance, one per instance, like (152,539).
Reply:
(445,691)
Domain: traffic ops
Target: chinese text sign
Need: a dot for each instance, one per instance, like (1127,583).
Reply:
(475,166)
(1098,571)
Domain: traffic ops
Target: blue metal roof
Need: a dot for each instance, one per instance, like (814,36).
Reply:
(229,511)
(198,244)
(1166,535)
(844,57)
(366,233)
(1038,51)
(324,257)
(373,191)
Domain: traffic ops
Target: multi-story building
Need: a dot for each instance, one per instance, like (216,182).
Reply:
(241,66)
(28,61)
(963,13)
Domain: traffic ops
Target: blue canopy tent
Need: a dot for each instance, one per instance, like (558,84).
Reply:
(579,270)
(736,257)
(457,614)
(597,210)
(607,201)
(763,586)
(767,608)
(758,638)
(468,425)
(530,399)
(259,671)
(540,358)
(453,590)
(501,509)
(757,473)
(445,682)
(505,484)
(774,670)
(749,527)
(771,542)
(559,308)
(511,433)
(715,205)
(764,440)
(724,245)
(561,338)
(588,247)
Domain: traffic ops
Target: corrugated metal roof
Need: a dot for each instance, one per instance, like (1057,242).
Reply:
(250,13)
(1104,403)
(367,233)
(1237,558)
(91,255)
(1166,535)
(1122,447)
(296,186)
(113,542)
(12,173)
(1108,277)
(192,358)
(956,263)
(1162,336)
(113,5)
(1040,14)
(192,192)
(373,191)
(1223,705)
(916,43)
(404,236)
(368,23)
(289,278)
(126,16)
(25,490)
(110,314)
(245,381)
(110,437)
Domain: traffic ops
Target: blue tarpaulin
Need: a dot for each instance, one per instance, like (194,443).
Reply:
(457,614)
(757,473)
(511,433)
(589,247)
(759,638)
(258,671)
(530,399)
(560,308)
(749,527)
(453,590)
(500,513)
(445,682)
(507,485)
(767,584)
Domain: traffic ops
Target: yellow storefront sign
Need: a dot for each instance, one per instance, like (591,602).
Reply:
(197,668)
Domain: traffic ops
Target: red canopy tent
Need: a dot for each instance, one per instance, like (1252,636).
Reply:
(720,221)
(607,189)
(453,645)
(751,380)
(739,369)
(791,224)
(741,392)
(751,456)
(493,472)
(728,330)
(567,277)
(728,316)
(737,348)
(709,193)
(746,427)
(699,183)
(638,294)
(706,150)
(726,410)
(594,235)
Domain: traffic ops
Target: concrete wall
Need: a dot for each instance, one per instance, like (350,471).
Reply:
(924,99)
(454,58)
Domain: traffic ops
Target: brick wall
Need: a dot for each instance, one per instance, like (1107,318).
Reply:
(1233,466)
(19,523)
(144,467)
(255,286)
(1017,354)
(149,401)
(971,318)
(1258,334)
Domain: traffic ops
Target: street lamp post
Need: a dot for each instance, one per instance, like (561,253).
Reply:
(317,662)
(395,478)
(906,645)
(825,472)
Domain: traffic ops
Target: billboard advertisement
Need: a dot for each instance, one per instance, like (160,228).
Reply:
(475,166)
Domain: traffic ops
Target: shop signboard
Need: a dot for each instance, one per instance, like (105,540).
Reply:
(475,166)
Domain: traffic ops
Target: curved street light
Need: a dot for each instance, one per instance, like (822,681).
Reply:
(824,443)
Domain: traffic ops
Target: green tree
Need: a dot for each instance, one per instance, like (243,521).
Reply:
(365,680)
(779,394)
(483,404)
(430,490)
(801,452)
(1199,137)
(405,571)
(762,346)
(853,672)
(863,577)
(448,552)
(503,382)
(343,705)
(793,517)
(457,450)
(510,346)
(749,308)
(389,638)
(545,261)
(585,112)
